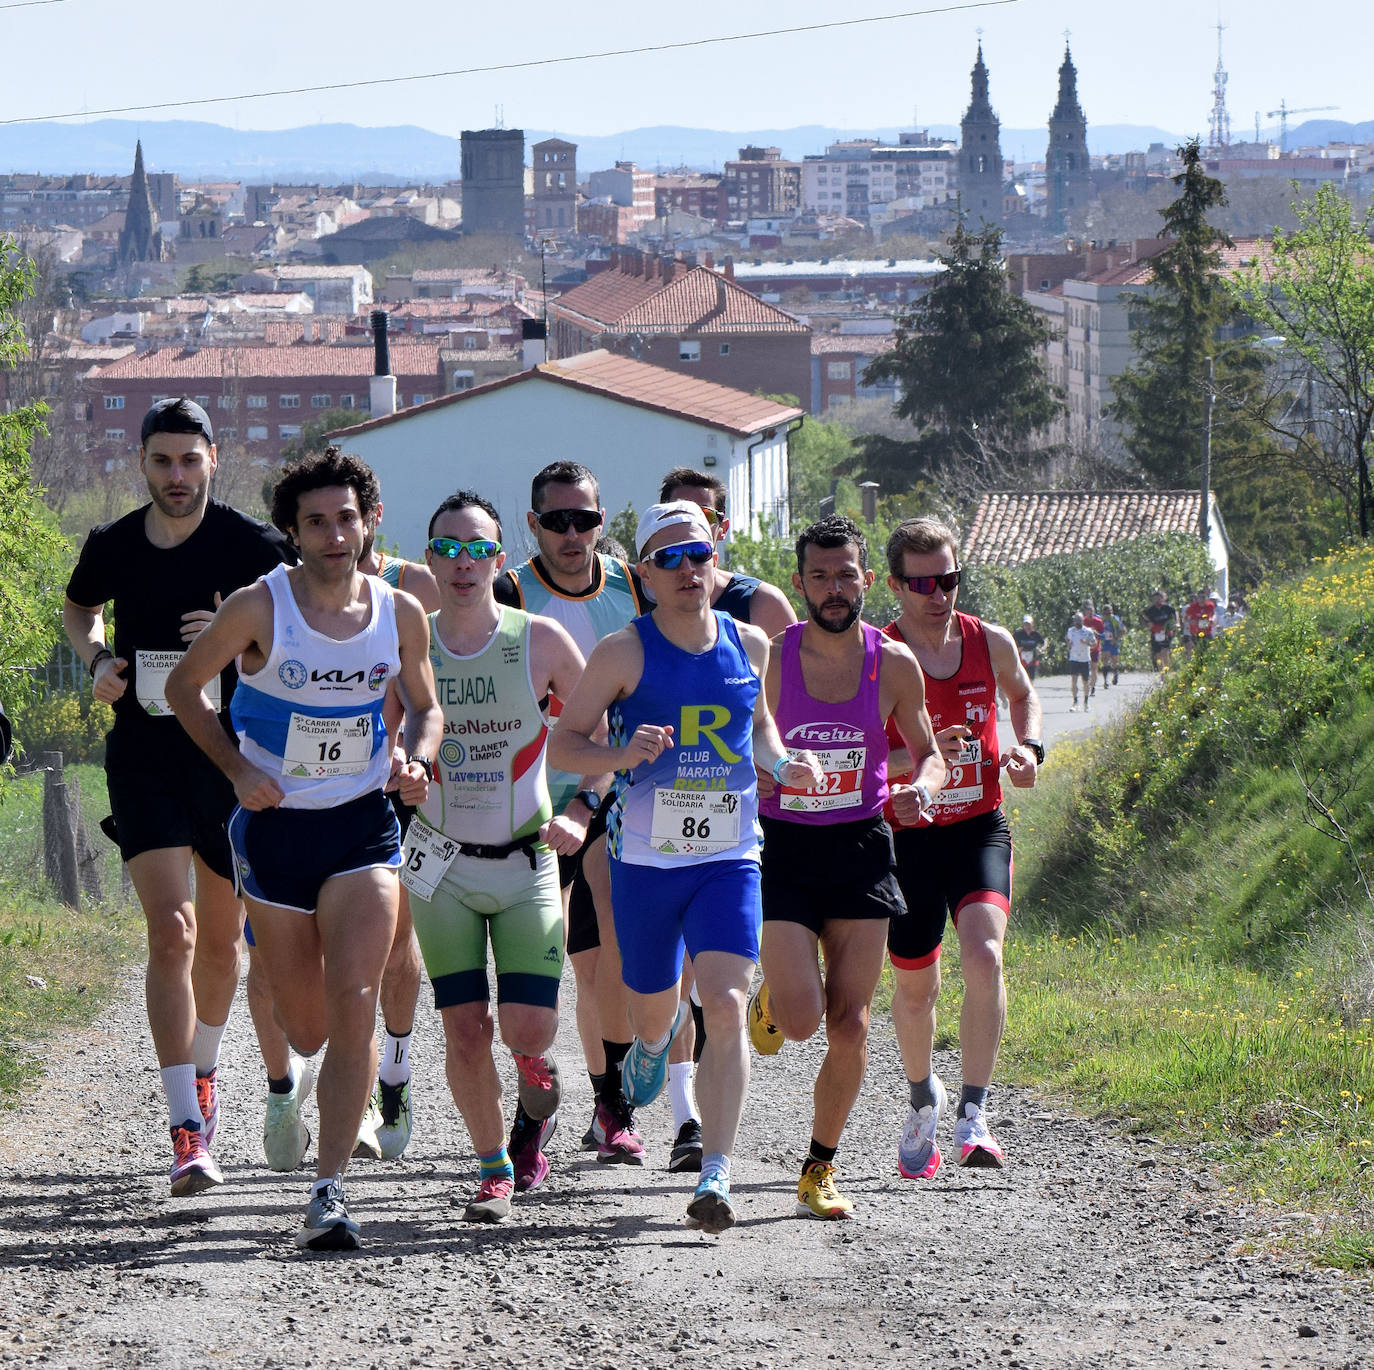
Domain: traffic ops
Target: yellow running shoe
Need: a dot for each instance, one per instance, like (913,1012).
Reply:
(763,1032)
(817,1196)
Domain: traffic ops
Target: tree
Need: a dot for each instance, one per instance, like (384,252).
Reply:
(32,550)
(969,359)
(1316,288)
(1160,397)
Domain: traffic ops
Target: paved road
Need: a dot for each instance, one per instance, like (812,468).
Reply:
(1107,703)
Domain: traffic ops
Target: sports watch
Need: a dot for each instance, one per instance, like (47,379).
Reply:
(424,763)
(1037,747)
(590,798)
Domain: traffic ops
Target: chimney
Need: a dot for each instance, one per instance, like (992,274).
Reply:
(710,261)
(729,268)
(534,342)
(383,384)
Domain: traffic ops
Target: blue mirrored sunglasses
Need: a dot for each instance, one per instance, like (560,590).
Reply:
(479,549)
(670,558)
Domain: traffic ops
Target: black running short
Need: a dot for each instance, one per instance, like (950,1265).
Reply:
(815,872)
(168,797)
(583,932)
(941,869)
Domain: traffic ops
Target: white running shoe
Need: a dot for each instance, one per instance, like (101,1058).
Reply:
(368,1143)
(284,1136)
(977,1146)
(918,1154)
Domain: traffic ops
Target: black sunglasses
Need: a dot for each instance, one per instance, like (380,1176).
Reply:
(925,585)
(670,558)
(560,520)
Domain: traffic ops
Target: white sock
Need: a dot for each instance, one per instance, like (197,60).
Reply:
(682,1094)
(395,1066)
(183,1107)
(693,995)
(659,1045)
(205,1046)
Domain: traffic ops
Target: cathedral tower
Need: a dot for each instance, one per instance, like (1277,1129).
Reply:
(1068,182)
(980,155)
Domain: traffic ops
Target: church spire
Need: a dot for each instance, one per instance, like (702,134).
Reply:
(138,242)
(980,153)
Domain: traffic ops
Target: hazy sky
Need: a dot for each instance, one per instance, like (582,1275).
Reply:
(1143,64)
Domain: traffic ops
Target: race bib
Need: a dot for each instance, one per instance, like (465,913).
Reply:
(425,857)
(841,788)
(151,670)
(1028,655)
(324,747)
(964,785)
(1160,635)
(695,822)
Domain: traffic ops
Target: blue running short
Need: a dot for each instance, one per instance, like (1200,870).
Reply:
(283,857)
(705,906)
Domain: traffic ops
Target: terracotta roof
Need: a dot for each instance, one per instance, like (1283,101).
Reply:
(497,353)
(856,344)
(697,301)
(1010,528)
(304,360)
(1141,272)
(323,328)
(648,387)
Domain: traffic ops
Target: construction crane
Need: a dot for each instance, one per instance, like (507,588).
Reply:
(1282,113)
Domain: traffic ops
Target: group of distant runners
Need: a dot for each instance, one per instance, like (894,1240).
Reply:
(640,762)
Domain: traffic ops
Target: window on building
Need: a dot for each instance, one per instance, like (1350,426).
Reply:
(257,432)
(257,401)
(345,401)
(114,435)
(422,399)
(226,402)
(688,351)
(228,434)
(203,401)
(114,401)
(725,349)
(838,371)
(288,430)
(319,401)
(289,402)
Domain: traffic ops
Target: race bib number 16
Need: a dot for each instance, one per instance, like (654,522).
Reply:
(324,747)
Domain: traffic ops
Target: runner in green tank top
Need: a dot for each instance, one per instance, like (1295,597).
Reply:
(481,856)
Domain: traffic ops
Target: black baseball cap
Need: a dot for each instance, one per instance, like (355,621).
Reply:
(176,414)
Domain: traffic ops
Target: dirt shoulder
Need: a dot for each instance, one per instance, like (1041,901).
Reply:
(1087,1250)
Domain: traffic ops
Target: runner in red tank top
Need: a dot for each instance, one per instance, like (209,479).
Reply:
(958,864)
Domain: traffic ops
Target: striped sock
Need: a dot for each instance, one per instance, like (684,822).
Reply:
(496,1163)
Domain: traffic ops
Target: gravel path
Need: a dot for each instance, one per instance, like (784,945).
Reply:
(1088,1249)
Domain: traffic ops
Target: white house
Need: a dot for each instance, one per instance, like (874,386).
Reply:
(626,421)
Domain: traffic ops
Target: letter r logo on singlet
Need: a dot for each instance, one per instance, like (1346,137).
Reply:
(703,720)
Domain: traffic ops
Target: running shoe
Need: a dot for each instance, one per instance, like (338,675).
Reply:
(528,1138)
(763,1032)
(207,1096)
(686,1152)
(491,1203)
(595,1135)
(368,1143)
(193,1168)
(817,1196)
(918,1154)
(978,1148)
(645,1072)
(393,1103)
(327,1226)
(710,1208)
(540,1089)
(622,1145)
(284,1136)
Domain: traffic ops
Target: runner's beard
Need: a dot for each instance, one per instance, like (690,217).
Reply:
(817,612)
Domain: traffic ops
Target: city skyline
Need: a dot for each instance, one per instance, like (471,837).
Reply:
(907,72)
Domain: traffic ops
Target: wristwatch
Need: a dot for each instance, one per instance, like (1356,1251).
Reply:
(1037,747)
(590,798)
(423,762)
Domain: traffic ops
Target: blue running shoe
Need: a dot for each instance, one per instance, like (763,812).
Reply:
(710,1208)
(645,1072)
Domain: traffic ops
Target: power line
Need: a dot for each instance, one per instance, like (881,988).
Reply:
(29,4)
(505,66)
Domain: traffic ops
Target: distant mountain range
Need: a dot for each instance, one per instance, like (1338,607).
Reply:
(346,152)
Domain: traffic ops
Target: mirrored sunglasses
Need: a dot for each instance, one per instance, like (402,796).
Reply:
(925,585)
(670,558)
(560,520)
(479,549)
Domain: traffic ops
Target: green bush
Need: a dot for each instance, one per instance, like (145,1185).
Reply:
(1051,589)
(75,726)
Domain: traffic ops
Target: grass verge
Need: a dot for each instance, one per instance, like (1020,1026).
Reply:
(58,966)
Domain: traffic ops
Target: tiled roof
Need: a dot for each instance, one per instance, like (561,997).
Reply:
(322,328)
(1141,272)
(304,360)
(648,387)
(1012,528)
(497,353)
(856,344)
(697,301)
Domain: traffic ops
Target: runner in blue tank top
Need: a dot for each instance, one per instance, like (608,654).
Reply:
(316,845)
(688,722)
